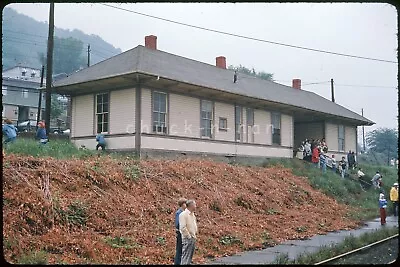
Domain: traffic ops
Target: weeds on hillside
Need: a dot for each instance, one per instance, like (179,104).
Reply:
(33,258)
(230,240)
(132,172)
(347,191)
(121,242)
(76,213)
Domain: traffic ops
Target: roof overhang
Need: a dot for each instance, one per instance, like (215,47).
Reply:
(133,79)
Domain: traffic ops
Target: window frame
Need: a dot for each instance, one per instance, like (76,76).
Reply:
(341,140)
(221,119)
(276,134)
(209,119)
(155,128)
(104,114)
(238,124)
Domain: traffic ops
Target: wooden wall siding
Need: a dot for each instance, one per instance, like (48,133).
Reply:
(225,111)
(184,117)
(122,111)
(262,127)
(83,116)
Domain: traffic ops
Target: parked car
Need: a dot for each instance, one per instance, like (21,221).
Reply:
(26,126)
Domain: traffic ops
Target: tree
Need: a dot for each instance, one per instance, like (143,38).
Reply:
(67,55)
(252,72)
(56,108)
(384,140)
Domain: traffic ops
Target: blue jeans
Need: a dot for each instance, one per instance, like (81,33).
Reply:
(343,172)
(324,167)
(334,168)
(178,253)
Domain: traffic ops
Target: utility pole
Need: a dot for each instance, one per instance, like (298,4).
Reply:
(88,55)
(362,114)
(40,98)
(49,73)
(332,92)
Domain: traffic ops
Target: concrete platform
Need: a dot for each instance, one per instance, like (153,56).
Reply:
(296,247)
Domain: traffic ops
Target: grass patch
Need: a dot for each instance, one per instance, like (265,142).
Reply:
(216,206)
(121,242)
(75,214)
(33,257)
(132,172)
(348,244)
(60,149)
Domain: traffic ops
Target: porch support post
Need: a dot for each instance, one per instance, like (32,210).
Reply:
(138,118)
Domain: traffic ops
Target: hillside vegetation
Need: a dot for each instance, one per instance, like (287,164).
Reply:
(100,210)
(24,39)
(77,207)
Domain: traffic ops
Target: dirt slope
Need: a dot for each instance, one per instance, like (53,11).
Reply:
(87,201)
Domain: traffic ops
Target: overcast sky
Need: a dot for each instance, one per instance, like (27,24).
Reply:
(368,30)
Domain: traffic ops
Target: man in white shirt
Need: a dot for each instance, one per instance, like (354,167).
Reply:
(188,229)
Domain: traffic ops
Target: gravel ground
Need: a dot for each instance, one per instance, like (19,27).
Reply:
(380,254)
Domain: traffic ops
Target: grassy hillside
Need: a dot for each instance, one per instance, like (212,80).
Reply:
(112,209)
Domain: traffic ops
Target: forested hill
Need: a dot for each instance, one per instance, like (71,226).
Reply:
(25,39)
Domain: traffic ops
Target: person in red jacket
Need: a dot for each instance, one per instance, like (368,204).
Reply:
(315,156)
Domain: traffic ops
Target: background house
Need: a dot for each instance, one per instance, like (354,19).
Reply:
(20,94)
(151,101)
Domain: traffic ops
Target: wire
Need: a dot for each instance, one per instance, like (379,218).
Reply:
(372,86)
(315,83)
(41,36)
(250,38)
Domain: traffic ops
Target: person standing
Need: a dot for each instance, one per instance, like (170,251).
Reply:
(322,160)
(343,165)
(178,253)
(394,197)
(315,156)
(101,141)
(349,160)
(307,150)
(333,163)
(9,131)
(188,229)
(41,133)
(382,208)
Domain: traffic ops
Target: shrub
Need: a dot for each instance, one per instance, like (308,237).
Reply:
(132,172)
(215,205)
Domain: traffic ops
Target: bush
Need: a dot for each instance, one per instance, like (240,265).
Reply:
(230,240)
(121,242)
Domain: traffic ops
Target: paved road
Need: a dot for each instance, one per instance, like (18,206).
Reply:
(296,247)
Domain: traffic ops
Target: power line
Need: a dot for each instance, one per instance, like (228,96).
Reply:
(372,86)
(315,83)
(41,36)
(250,38)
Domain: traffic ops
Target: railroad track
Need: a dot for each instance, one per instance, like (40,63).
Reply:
(362,250)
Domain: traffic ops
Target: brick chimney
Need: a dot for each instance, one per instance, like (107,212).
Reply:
(221,62)
(150,41)
(296,84)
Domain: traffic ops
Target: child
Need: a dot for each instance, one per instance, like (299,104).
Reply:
(101,142)
(382,208)
(41,133)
